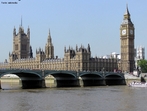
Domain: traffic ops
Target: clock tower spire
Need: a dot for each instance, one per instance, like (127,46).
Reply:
(127,35)
(127,14)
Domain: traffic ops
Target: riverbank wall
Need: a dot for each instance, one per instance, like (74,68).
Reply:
(130,78)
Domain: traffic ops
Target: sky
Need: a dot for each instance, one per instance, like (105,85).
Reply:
(71,23)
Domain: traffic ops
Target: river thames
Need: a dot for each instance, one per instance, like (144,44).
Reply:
(101,98)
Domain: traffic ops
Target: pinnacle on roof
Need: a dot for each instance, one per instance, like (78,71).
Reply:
(49,37)
(127,10)
(127,14)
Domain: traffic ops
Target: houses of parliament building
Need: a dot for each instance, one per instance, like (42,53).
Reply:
(78,59)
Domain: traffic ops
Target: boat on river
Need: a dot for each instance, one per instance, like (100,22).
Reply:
(138,84)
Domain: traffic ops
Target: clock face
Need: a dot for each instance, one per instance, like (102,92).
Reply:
(123,32)
(131,32)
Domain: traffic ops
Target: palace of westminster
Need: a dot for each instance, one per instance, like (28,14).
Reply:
(78,59)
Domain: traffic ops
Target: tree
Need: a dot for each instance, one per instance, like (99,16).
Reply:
(143,65)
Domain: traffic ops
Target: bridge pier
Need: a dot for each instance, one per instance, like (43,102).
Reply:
(123,82)
(81,84)
(0,84)
(26,84)
(91,82)
(103,82)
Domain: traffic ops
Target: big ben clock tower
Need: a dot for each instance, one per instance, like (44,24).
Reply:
(127,34)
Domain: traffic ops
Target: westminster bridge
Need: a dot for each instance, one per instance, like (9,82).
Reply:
(36,78)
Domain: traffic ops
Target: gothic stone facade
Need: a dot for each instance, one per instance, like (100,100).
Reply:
(74,60)
(78,59)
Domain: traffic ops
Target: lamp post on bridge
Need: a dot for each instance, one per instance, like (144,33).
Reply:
(43,73)
(140,71)
(77,71)
(43,80)
(103,71)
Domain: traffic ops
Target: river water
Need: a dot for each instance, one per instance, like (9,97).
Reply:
(105,98)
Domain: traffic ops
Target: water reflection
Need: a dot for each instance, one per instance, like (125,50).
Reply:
(102,98)
(50,81)
(10,83)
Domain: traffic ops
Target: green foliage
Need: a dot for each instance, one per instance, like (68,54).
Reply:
(143,65)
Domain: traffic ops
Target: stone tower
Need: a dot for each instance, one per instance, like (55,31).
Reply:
(40,55)
(21,43)
(127,34)
(31,52)
(49,48)
(80,57)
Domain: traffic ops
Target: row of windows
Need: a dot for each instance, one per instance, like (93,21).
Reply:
(23,47)
(63,66)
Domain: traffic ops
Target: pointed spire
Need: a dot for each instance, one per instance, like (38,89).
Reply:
(49,33)
(21,30)
(14,31)
(65,49)
(127,11)
(88,48)
(49,37)
(28,32)
(127,14)
(39,49)
(36,51)
(77,48)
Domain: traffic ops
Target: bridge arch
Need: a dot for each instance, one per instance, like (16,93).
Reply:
(60,74)
(91,73)
(28,78)
(10,81)
(115,79)
(91,79)
(22,73)
(63,78)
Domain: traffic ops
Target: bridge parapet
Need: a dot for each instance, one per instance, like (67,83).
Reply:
(44,73)
(102,74)
(18,71)
(53,72)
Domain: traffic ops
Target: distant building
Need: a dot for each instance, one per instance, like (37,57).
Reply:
(140,53)
(113,55)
